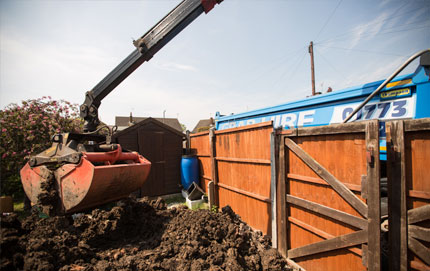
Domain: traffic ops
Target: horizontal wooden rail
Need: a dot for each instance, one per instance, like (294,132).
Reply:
(203,155)
(307,179)
(243,160)
(346,218)
(199,134)
(243,128)
(245,193)
(419,194)
(343,241)
(205,177)
(347,128)
(417,125)
(319,232)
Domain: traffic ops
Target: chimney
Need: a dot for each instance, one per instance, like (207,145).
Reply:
(130,120)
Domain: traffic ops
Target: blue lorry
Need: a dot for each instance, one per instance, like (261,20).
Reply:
(404,97)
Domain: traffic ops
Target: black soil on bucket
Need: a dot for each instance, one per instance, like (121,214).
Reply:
(136,235)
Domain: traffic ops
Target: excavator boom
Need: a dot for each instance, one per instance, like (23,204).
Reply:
(81,171)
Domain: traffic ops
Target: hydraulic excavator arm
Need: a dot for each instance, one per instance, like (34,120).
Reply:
(146,47)
(81,171)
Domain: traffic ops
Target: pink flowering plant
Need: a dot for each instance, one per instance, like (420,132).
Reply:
(26,130)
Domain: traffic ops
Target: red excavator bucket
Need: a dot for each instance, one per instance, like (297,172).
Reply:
(98,178)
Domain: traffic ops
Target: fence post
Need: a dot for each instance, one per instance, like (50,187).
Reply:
(373,196)
(214,169)
(188,143)
(274,160)
(281,215)
(397,209)
(211,194)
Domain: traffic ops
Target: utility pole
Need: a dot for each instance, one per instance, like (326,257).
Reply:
(311,52)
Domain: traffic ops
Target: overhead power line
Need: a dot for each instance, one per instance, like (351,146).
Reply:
(328,19)
(360,50)
(262,71)
(329,63)
(298,66)
(373,32)
(295,62)
(351,32)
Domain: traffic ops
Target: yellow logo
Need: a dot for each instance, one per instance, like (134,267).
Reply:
(396,93)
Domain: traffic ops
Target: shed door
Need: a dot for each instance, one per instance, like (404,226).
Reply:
(151,147)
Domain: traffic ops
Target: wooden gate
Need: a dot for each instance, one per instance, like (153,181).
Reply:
(328,196)
(408,163)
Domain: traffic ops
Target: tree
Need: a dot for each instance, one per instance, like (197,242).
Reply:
(26,130)
(184,128)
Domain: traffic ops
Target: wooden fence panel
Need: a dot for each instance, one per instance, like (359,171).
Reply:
(199,144)
(239,162)
(326,217)
(244,173)
(408,146)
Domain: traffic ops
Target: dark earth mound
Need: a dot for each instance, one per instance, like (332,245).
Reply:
(136,235)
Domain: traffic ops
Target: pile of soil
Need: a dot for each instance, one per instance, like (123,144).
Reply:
(136,235)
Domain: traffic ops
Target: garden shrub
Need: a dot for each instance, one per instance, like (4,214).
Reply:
(27,129)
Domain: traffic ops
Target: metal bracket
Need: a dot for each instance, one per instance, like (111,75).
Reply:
(141,46)
(208,5)
(73,158)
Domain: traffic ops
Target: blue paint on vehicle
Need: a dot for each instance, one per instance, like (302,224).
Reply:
(406,97)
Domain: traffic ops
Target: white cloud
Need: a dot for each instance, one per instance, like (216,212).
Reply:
(172,66)
(370,29)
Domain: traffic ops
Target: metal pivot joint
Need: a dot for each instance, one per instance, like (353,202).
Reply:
(89,112)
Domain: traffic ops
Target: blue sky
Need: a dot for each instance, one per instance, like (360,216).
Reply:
(243,55)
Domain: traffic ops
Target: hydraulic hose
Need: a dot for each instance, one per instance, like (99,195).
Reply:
(407,62)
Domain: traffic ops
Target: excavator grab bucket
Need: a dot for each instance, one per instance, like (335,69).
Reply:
(98,178)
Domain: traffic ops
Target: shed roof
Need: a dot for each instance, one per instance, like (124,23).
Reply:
(122,122)
(146,121)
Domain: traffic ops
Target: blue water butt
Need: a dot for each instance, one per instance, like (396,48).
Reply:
(189,170)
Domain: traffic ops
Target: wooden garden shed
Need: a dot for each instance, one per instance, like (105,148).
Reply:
(160,144)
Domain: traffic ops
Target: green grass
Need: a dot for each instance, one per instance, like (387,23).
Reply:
(178,199)
(18,208)
(174,199)
(203,206)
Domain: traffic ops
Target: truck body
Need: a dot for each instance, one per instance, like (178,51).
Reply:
(405,97)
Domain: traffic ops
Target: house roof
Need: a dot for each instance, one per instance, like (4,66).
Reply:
(146,121)
(122,122)
(203,124)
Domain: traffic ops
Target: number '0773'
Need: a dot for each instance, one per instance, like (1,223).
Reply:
(379,110)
